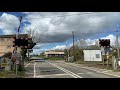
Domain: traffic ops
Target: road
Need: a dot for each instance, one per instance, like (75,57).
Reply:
(61,69)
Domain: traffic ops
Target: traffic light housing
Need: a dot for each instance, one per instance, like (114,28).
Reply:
(104,42)
(20,42)
(24,43)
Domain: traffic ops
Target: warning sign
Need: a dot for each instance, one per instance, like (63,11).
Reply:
(4,62)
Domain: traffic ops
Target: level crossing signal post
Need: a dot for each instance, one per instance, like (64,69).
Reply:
(105,49)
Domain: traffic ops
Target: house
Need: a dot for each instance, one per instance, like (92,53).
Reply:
(54,54)
(6,43)
(92,55)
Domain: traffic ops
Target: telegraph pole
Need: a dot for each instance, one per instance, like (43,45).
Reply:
(67,52)
(117,45)
(73,47)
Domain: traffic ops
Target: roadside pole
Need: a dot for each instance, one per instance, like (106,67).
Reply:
(16,69)
(17,34)
(107,62)
(103,60)
(28,55)
(73,47)
(103,55)
(117,46)
(114,63)
(16,53)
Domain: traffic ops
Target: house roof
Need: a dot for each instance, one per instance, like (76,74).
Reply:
(54,52)
(14,35)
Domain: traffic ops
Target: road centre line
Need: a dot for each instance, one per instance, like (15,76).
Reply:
(65,70)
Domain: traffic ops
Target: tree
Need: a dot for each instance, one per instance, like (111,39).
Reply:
(82,44)
(35,35)
(23,52)
(93,47)
(78,53)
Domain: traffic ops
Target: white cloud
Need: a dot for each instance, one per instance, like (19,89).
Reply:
(59,29)
(9,23)
(55,28)
(93,41)
(38,51)
(90,42)
(59,47)
(111,37)
(38,46)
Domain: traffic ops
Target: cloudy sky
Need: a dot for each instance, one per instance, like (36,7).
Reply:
(55,28)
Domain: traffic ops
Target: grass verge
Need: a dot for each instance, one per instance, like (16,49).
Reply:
(12,74)
(55,58)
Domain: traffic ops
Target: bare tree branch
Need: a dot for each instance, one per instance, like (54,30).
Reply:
(35,35)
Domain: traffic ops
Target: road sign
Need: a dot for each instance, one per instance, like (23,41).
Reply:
(106,50)
(5,62)
(17,62)
(103,50)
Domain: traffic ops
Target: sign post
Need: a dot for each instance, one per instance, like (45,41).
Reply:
(103,54)
(16,70)
(17,62)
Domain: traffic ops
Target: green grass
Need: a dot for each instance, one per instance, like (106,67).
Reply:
(55,58)
(51,58)
(12,74)
(40,56)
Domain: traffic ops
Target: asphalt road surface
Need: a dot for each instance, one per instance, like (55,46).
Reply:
(61,69)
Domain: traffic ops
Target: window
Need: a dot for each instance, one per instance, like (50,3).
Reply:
(97,55)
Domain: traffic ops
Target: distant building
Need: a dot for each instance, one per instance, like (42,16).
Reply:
(6,43)
(92,55)
(54,54)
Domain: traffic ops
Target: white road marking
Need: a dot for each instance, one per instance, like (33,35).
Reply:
(90,68)
(65,70)
(106,71)
(34,70)
(51,75)
(27,65)
(111,74)
(80,73)
(89,73)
